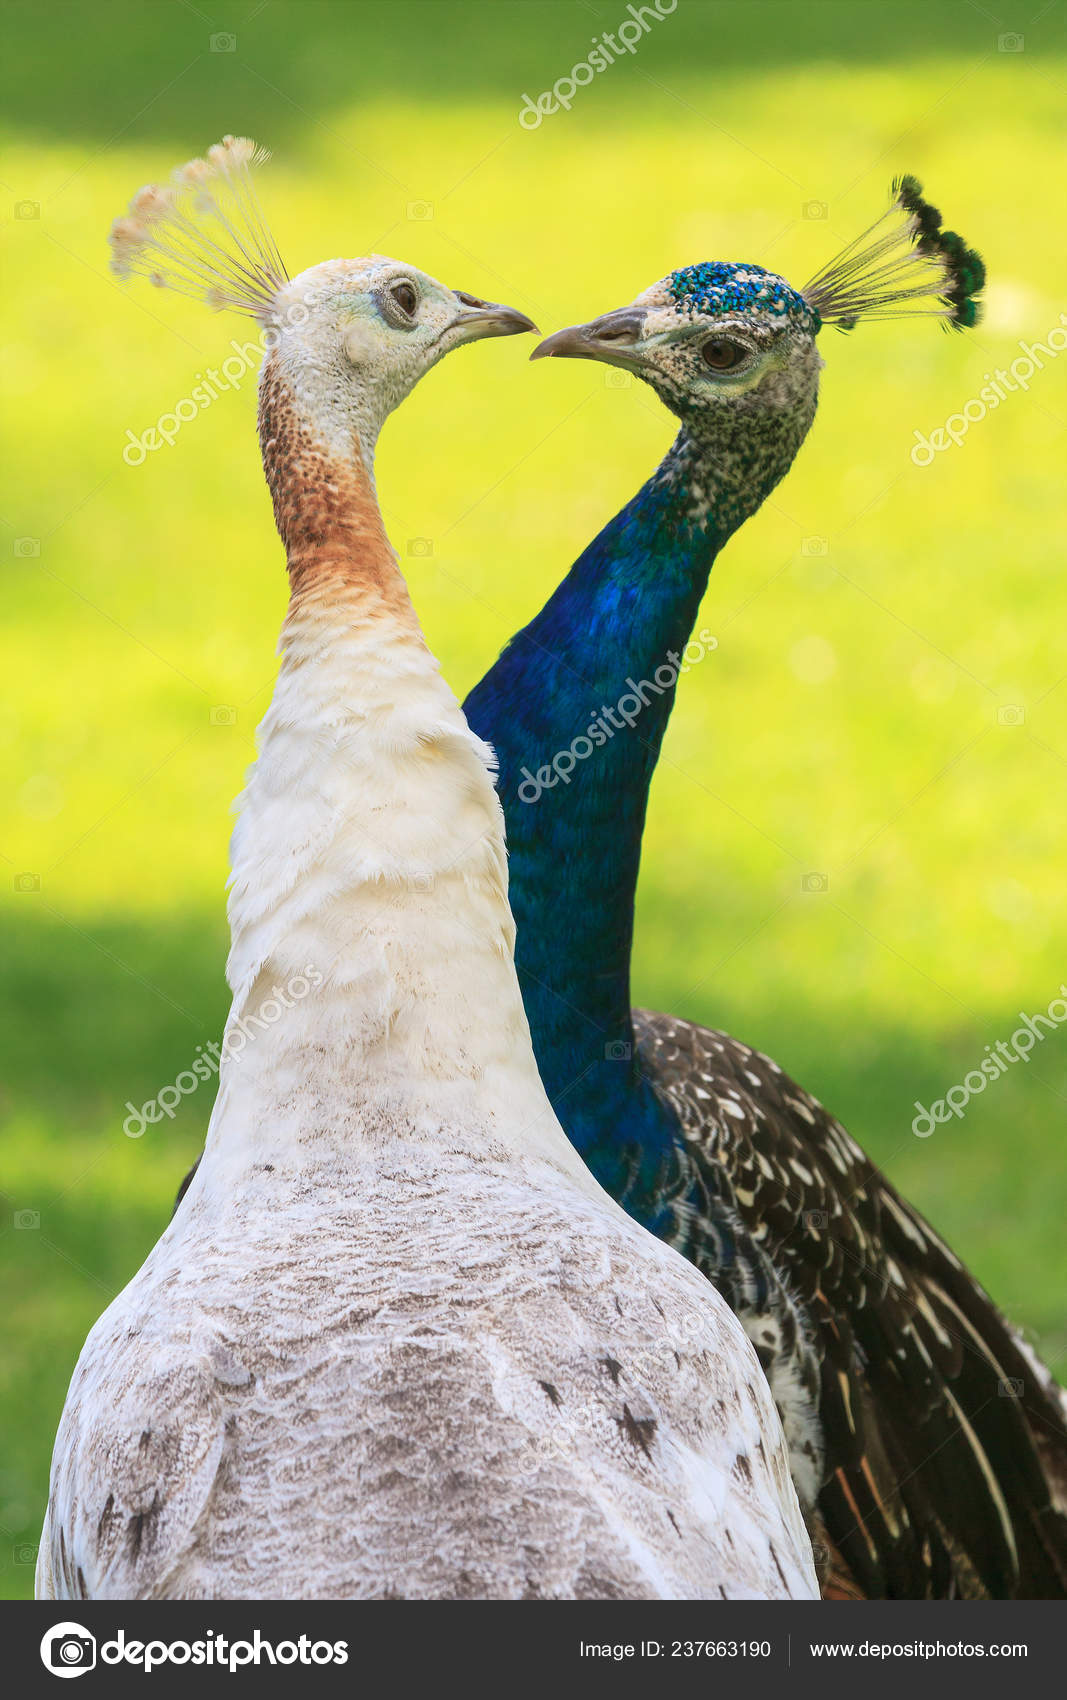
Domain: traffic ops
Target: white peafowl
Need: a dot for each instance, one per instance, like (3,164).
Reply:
(397,1342)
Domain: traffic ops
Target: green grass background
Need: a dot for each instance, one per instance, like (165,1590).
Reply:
(846,724)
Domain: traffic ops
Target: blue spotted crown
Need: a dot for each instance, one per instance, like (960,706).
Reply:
(721,286)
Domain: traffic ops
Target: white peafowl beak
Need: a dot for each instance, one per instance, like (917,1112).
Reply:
(478,319)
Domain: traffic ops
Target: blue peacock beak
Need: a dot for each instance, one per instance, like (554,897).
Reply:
(613,338)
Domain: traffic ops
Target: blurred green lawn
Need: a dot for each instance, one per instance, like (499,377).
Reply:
(872,619)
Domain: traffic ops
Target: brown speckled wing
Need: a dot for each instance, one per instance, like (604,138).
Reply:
(943,1442)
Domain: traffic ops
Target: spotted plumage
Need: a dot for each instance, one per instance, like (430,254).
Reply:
(884,1355)
(937,1423)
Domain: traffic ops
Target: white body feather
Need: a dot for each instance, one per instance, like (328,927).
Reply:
(397,1342)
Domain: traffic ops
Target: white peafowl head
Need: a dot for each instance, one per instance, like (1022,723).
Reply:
(349,338)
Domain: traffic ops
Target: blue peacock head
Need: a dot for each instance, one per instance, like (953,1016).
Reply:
(723,340)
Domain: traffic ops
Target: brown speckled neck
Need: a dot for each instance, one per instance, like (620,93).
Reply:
(325,507)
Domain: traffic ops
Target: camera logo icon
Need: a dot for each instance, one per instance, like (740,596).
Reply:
(815,882)
(1011,714)
(616,380)
(27,882)
(420,548)
(814,546)
(617,1050)
(68,1650)
(27,209)
(1011,42)
(814,1220)
(815,209)
(419,211)
(223,714)
(27,1220)
(1010,1387)
(27,548)
(223,42)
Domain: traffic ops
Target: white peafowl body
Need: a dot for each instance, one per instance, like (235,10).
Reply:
(397,1343)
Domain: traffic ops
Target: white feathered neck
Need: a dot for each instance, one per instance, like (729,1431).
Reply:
(368,864)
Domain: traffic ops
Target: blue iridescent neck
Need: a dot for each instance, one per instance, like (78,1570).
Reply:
(576,708)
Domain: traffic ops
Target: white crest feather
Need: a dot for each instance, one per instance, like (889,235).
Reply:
(204,233)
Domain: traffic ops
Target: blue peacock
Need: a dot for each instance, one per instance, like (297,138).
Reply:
(890,1365)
